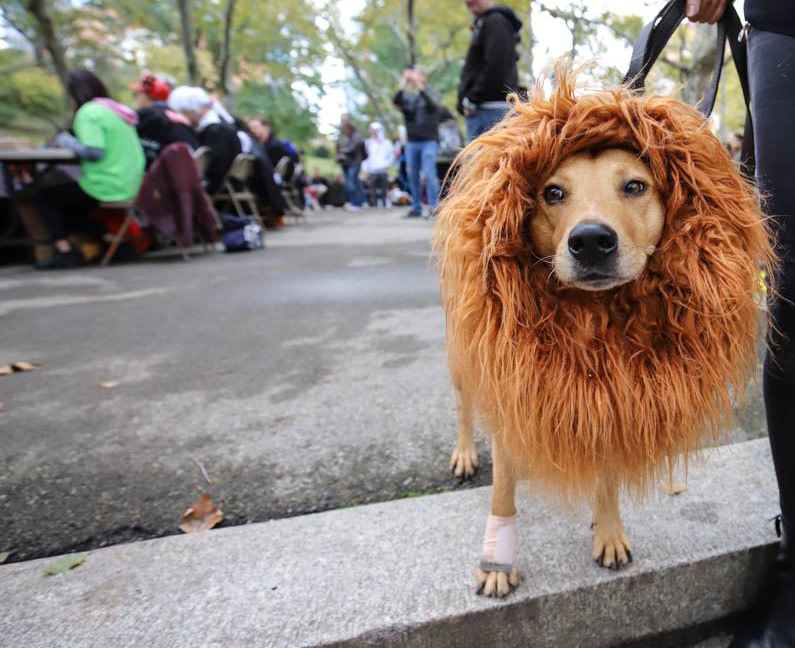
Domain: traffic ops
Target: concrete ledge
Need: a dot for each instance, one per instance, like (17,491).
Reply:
(400,574)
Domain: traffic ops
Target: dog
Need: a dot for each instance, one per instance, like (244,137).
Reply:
(600,268)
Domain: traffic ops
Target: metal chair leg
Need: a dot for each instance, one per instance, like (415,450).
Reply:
(117,240)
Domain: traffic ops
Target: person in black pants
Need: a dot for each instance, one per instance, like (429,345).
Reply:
(771,71)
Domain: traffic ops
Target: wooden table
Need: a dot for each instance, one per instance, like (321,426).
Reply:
(33,159)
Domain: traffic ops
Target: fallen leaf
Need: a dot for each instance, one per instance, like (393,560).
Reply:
(201,516)
(4,556)
(109,384)
(6,370)
(25,366)
(64,564)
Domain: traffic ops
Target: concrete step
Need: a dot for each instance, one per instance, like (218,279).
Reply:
(400,574)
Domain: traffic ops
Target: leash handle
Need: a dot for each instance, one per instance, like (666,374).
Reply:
(654,37)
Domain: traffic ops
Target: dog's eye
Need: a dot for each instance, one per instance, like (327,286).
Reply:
(553,194)
(634,188)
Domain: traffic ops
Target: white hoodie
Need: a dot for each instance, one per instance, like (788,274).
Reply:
(380,151)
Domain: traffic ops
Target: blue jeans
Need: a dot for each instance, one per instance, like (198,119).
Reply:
(353,185)
(421,156)
(483,120)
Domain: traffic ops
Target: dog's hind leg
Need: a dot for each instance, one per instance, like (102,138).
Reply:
(611,547)
(464,461)
(496,575)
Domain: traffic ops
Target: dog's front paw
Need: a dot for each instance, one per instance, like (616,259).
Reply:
(611,549)
(464,461)
(495,583)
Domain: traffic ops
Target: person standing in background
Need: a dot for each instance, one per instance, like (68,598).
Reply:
(490,71)
(380,156)
(350,155)
(421,113)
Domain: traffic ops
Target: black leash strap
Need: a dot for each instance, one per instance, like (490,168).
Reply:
(655,35)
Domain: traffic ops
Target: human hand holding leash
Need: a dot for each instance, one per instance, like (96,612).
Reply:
(705,11)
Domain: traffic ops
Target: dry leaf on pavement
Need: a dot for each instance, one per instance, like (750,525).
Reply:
(109,384)
(25,366)
(201,516)
(7,370)
(4,556)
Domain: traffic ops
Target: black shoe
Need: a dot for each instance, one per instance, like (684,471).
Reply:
(413,214)
(771,623)
(61,261)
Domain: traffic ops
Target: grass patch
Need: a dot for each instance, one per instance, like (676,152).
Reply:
(325,166)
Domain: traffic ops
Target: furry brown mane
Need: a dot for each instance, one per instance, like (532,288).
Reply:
(631,377)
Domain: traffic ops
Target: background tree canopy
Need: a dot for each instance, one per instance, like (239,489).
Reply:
(267,58)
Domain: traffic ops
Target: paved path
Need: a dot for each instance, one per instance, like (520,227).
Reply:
(305,377)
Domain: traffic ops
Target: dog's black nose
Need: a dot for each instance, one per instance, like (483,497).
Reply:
(592,243)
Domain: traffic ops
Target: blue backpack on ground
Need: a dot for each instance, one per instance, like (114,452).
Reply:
(241,234)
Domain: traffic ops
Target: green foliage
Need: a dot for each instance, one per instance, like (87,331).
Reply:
(38,92)
(28,92)
(294,118)
(321,151)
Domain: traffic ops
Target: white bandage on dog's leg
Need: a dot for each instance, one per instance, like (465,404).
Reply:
(499,544)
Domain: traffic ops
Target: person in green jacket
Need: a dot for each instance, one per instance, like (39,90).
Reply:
(111,166)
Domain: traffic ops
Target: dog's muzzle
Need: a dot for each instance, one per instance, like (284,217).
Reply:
(594,248)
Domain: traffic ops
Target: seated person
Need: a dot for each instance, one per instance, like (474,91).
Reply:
(265,134)
(335,196)
(111,166)
(157,125)
(221,138)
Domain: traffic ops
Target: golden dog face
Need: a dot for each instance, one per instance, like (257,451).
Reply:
(599,217)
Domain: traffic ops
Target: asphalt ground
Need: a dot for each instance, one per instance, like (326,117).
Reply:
(307,376)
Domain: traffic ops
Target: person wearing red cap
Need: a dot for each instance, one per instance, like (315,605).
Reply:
(157,125)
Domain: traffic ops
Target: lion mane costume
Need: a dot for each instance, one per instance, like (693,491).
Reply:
(572,381)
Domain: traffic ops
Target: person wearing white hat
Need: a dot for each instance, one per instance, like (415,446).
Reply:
(380,157)
(221,138)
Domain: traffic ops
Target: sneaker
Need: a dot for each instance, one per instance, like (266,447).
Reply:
(413,214)
(61,261)
(353,208)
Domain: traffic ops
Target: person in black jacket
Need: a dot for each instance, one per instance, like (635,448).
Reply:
(771,67)
(421,113)
(490,70)
(221,138)
(157,125)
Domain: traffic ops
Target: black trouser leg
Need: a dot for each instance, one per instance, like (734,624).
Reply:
(379,181)
(772,70)
(64,208)
(771,61)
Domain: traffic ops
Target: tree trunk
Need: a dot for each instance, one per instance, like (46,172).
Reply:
(367,88)
(412,34)
(186,17)
(40,11)
(224,76)
(703,49)
(529,76)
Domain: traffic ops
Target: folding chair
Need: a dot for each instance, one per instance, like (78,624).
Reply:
(202,157)
(241,169)
(290,190)
(118,238)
